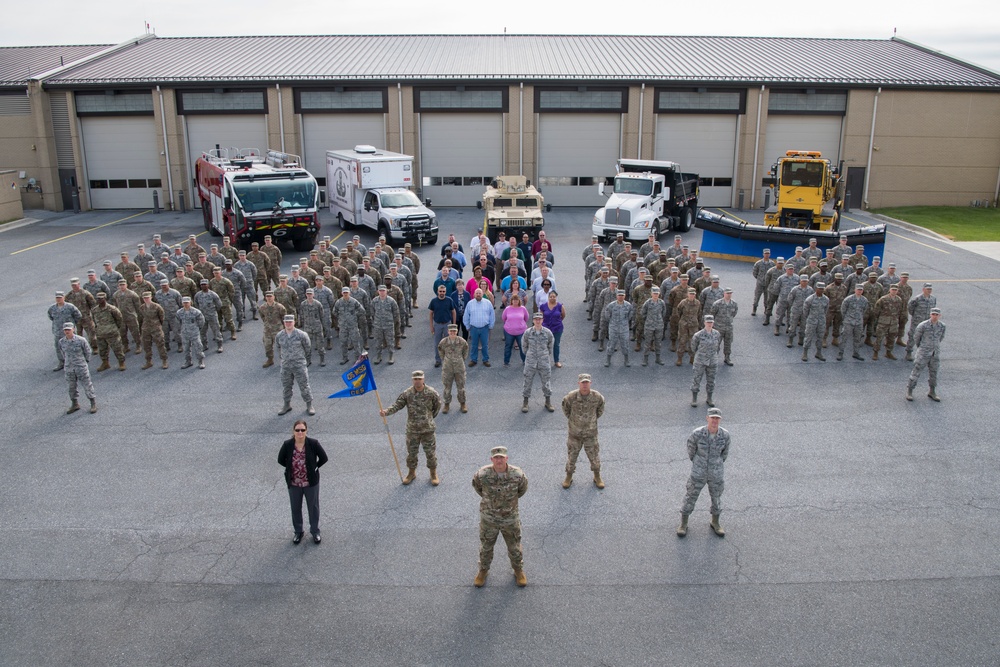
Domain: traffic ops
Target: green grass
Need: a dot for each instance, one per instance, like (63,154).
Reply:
(958,223)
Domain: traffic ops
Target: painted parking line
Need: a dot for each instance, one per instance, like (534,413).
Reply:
(926,245)
(954,280)
(63,238)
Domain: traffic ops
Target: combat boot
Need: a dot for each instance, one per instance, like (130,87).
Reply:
(165,365)
(104,366)
(777,330)
(823,342)
(269,362)
(682,529)
(607,362)
(434,477)
(285,409)
(445,409)
(801,340)
(890,355)
(322,358)
(598,482)
(524,406)
(645,360)
(868,341)
(691,360)
(875,355)
(593,339)
(548,404)
(840,356)
(819,355)
(392,360)
(673,346)
(93,405)
(899,342)
(694,399)
(568,481)
(480,579)
(767,319)
(790,342)
(716,528)
(708,401)
(857,356)
(121,365)
(410,476)
(59,367)
(201,364)
(932,394)
(378,359)
(626,360)
(309,409)
(753,313)
(73,407)
(638,345)
(218,350)
(836,342)
(909,355)
(600,347)
(462,408)
(187,364)
(658,361)
(148,364)
(680,359)
(909,393)
(329,344)
(520,579)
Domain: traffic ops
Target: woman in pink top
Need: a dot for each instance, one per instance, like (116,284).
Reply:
(515,323)
(476,282)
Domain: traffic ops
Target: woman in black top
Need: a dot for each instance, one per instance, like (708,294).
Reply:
(302,457)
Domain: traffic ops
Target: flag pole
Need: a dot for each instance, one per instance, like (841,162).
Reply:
(391,446)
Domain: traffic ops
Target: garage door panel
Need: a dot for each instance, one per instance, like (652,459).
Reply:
(704,144)
(325,132)
(122,158)
(237,131)
(807,133)
(576,152)
(460,153)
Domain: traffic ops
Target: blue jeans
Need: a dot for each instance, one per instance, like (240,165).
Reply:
(555,345)
(479,335)
(508,346)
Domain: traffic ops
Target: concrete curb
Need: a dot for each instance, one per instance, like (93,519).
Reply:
(911,227)
(17,224)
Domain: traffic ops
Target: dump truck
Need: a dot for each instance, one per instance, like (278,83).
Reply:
(513,206)
(649,197)
(808,192)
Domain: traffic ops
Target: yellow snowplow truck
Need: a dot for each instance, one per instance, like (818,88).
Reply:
(809,193)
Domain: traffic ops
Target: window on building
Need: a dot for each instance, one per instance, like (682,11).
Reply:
(462,98)
(700,100)
(221,101)
(581,99)
(341,100)
(819,102)
(113,103)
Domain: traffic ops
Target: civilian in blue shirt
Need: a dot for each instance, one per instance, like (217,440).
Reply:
(445,279)
(479,319)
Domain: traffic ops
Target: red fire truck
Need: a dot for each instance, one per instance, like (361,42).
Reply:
(247,195)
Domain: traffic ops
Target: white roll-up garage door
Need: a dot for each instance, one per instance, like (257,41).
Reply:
(576,151)
(704,144)
(460,155)
(801,133)
(325,132)
(123,162)
(236,131)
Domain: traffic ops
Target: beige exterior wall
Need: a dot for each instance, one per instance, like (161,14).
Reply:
(10,198)
(746,145)
(519,140)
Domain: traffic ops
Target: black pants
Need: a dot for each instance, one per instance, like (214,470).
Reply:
(311,495)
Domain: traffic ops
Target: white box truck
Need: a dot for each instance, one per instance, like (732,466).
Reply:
(368,187)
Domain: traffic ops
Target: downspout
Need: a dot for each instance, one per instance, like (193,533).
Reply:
(756,149)
(642,93)
(281,117)
(166,152)
(399,92)
(871,147)
(520,131)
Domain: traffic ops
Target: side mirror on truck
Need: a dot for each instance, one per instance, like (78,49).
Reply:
(600,189)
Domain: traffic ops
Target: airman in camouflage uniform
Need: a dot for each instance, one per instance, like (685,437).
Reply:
(653,313)
(299,283)
(705,346)
(724,310)
(855,311)
(349,314)
(414,264)
(422,405)
(919,309)
(249,287)
(327,299)
(361,296)
(108,322)
(583,407)
(905,293)
(314,320)
(262,263)
(128,302)
(286,296)
(453,350)
(60,313)
(640,295)
(708,449)
(537,344)
(192,322)
(240,286)
(842,249)
(185,286)
(836,293)
(95,284)
(886,316)
(126,267)
(294,351)
(688,314)
(710,295)
(402,302)
(170,300)
(760,269)
(781,286)
(500,486)
(316,264)
(796,313)
(151,330)
(76,353)
(771,288)
(274,256)
(617,319)
(140,285)
(873,292)
(339,272)
(385,323)
(597,287)
(227,250)
(858,258)
(814,310)
(272,314)
(85,302)
(209,303)
(227,294)
(402,282)
(927,338)
(192,248)
(677,294)
(203,267)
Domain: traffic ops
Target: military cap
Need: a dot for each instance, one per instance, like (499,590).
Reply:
(685,246)
(91,272)
(289,318)
(165,254)
(179,269)
(892,287)
(138,273)
(812,240)
(674,269)
(820,285)
(859,288)
(217,268)
(156,237)
(876,257)
(605,269)
(451,327)
(904,274)
(767,250)
(147,294)
(314,252)
(295,269)
(838,274)
(74,281)
(663,253)
(203,254)
(60,293)
(242,252)
(283,277)
(655,290)
(310,290)
(634,252)
(498,451)
(823,263)
(583,377)
(843,237)
(204,281)
(68,326)
(122,281)
(354,279)
(191,236)
(607,260)
(164,281)
(141,245)
(928,286)
(859,247)
(304,259)
(935,311)
(186,299)
(780,260)
(102,295)
(715,279)
(620,234)
(892,265)
(803,277)
(269,293)
(320,279)
(728,290)
(642,269)
(620,292)
(872,273)
(124,254)
(381,288)
(715,412)
(254,245)
(692,290)
(709,318)
(345,290)
(538,315)
(417,375)
(613,279)
(407,245)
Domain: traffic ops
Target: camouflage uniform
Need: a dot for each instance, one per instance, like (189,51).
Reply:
(98,286)
(927,339)
(654,313)
(421,409)
(170,301)
(796,314)
(582,412)
(677,294)
(855,310)
(872,292)
(128,303)
(349,314)
(240,286)
(60,315)
(151,331)
(226,291)
(725,313)
(385,324)
(250,273)
(688,313)
(396,294)
(781,286)
(498,512)
(294,352)
(905,293)
(84,302)
(708,454)
(274,263)
(262,264)
(834,319)
(184,286)
(815,310)
(886,315)
(640,295)
(771,290)
(538,360)
(364,322)
(191,321)
(288,298)
(919,309)
(76,353)
(705,346)
(315,322)
(453,353)
(272,315)
(108,323)
(760,269)
(616,320)
(209,304)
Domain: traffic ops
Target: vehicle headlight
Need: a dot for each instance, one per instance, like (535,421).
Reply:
(644,224)
(598,220)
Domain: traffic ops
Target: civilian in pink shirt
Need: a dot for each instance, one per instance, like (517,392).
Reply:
(515,322)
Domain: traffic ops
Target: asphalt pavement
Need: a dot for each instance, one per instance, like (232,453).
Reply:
(861,529)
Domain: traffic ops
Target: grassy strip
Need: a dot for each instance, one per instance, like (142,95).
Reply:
(958,223)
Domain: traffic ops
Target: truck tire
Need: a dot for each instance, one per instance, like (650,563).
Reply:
(383,230)
(304,244)
(686,220)
(344,225)
(655,231)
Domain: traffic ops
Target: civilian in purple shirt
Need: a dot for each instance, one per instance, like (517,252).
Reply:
(553,314)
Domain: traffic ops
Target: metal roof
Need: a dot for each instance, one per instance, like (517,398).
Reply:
(18,64)
(340,58)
